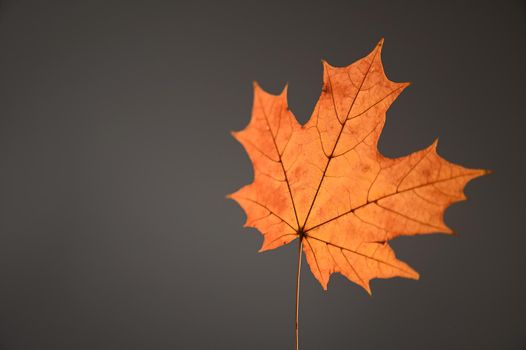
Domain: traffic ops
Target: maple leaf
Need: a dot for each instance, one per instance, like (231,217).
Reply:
(327,184)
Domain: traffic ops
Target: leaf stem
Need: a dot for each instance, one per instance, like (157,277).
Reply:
(296,323)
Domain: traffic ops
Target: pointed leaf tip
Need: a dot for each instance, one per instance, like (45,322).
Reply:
(285,89)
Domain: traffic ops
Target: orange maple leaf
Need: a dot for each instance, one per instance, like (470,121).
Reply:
(327,184)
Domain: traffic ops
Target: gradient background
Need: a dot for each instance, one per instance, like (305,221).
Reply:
(116,157)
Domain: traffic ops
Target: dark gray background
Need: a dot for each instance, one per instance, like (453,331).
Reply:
(116,157)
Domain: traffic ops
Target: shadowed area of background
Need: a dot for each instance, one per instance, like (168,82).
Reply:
(116,156)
